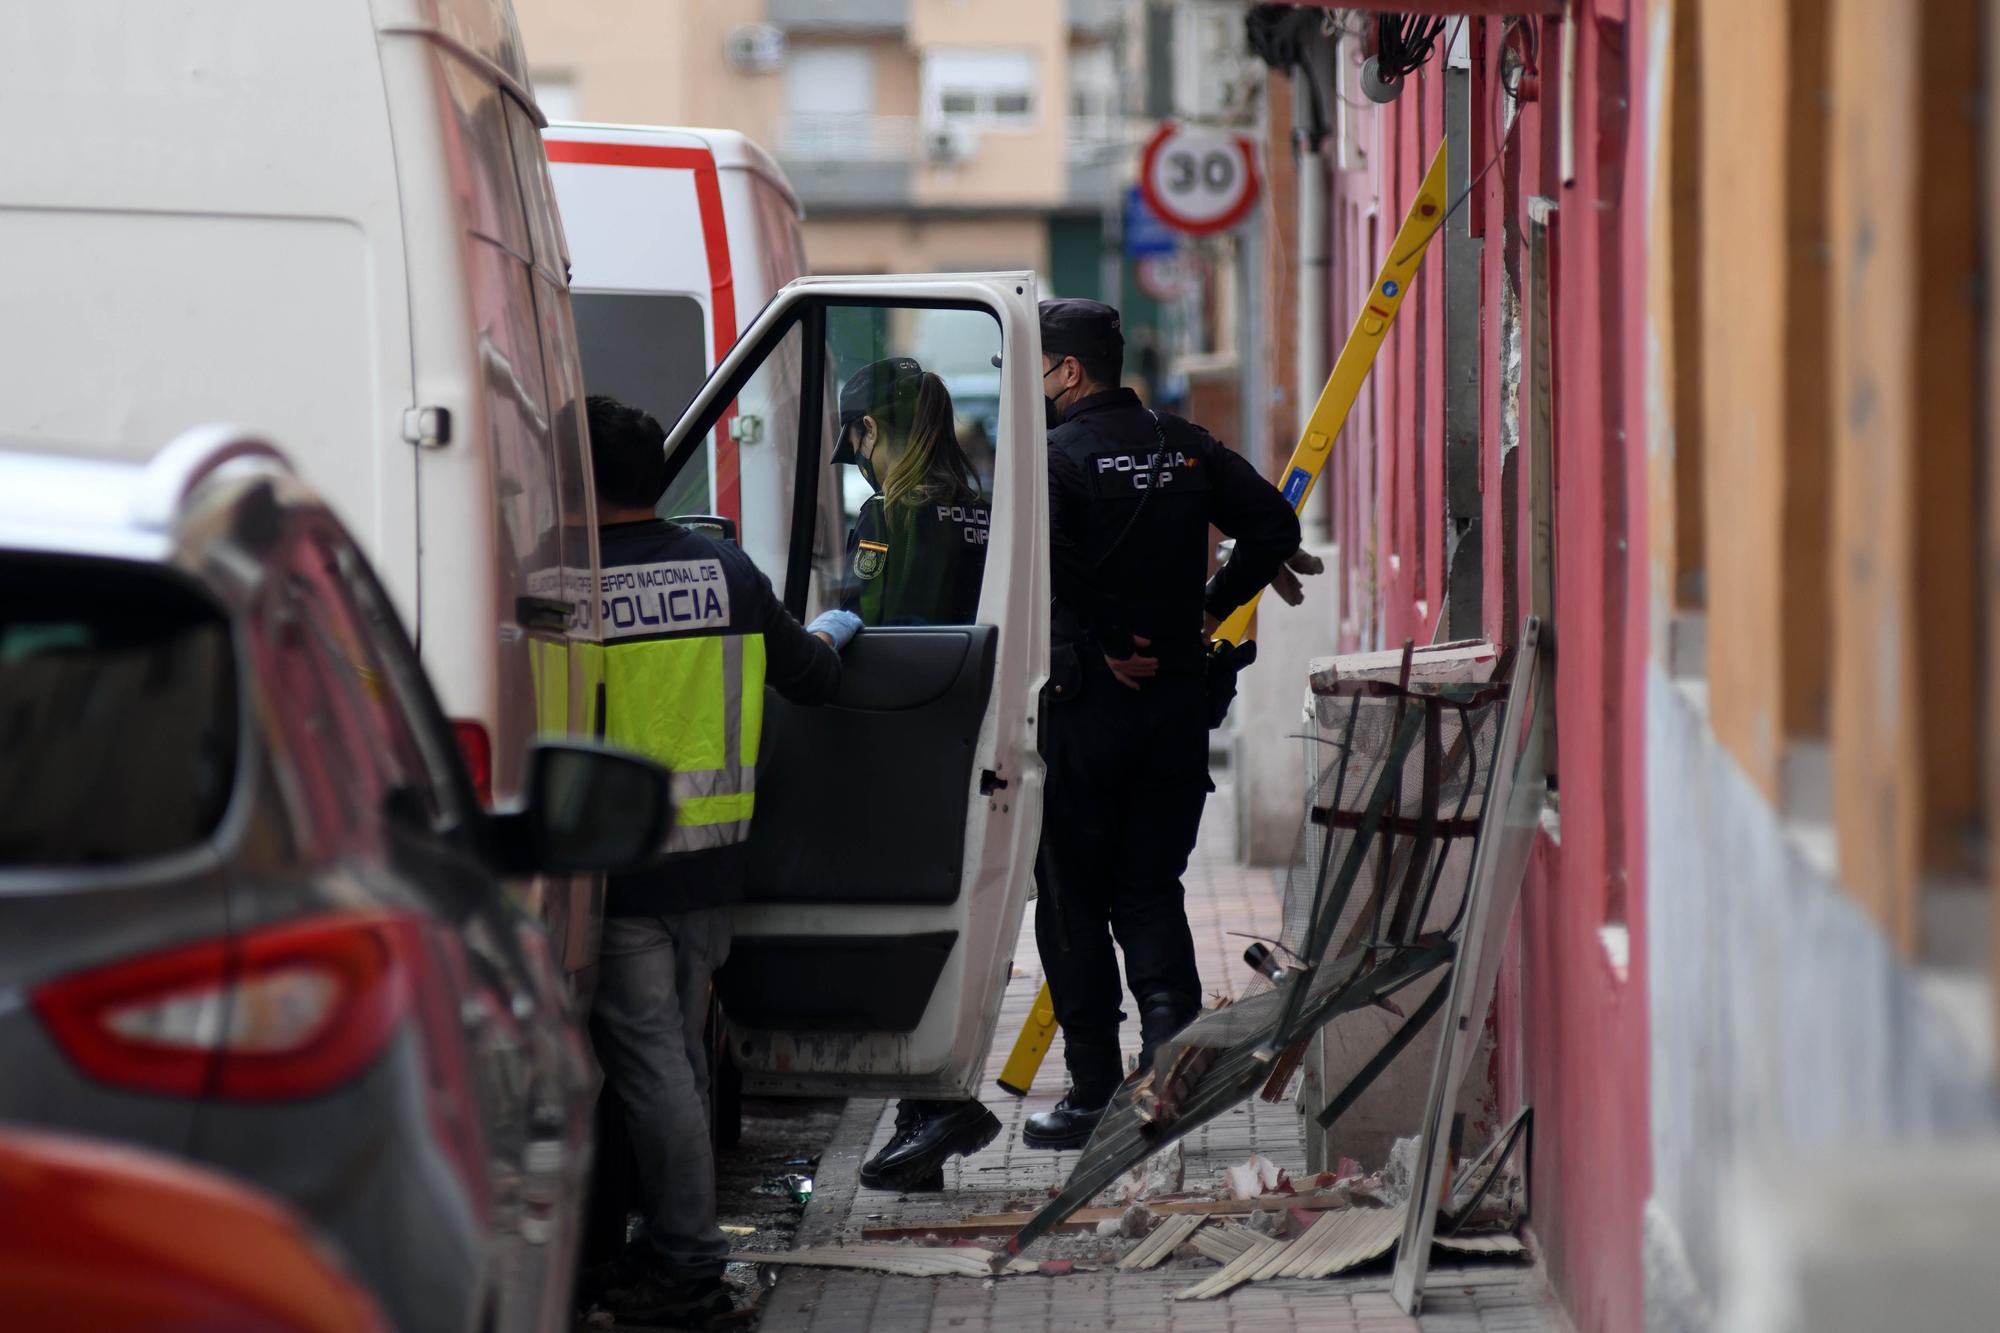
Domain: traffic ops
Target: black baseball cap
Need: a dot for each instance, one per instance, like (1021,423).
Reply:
(1081,328)
(892,382)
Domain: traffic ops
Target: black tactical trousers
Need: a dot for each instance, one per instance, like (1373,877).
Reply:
(1127,777)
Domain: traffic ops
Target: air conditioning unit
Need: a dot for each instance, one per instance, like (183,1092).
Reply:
(755,48)
(947,144)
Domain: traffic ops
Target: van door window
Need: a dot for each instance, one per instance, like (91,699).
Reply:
(650,350)
(917,397)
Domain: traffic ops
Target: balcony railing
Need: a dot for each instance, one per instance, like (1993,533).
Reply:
(839,15)
(855,160)
(851,137)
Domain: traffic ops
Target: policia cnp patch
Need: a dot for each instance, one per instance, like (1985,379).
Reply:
(869,558)
(1133,472)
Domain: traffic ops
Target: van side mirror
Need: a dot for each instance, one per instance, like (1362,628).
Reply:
(588,808)
(709,525)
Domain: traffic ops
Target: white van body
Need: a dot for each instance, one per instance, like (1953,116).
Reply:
(678,238)
(328,221)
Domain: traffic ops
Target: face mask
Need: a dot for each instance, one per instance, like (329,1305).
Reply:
(1052,415)
(867,470)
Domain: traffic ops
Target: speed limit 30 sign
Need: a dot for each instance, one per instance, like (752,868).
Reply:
(1199,179)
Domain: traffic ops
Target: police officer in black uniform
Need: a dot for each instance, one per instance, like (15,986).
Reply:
(1132,494)
(918,548)
(916,557)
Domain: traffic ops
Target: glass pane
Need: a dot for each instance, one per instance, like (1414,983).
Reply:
(531,163)
(117,694)
(649,350)
(482,156)
(918,412)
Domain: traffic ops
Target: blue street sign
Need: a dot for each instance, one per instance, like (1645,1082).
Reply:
(1145,234)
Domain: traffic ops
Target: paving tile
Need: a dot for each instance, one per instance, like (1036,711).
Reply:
(1221,898)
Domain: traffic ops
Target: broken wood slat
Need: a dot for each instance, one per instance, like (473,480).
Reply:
(1354,1238)
(1166,1238)
(1224,1241)
(1492,1244)
(1083,1219)
(1301,1253)
(902,1260)
(1233,1273)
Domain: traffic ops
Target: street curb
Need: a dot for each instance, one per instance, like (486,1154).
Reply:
(838,1177)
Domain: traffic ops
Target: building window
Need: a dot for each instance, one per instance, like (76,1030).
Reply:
(555,93)
(980,88)
(1093,96)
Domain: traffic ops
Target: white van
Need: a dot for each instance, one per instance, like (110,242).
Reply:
(896,827)
(678,237)
(329,221)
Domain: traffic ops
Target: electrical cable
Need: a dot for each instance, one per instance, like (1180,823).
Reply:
(1501,138)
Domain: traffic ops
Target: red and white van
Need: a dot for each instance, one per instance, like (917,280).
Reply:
(678,237)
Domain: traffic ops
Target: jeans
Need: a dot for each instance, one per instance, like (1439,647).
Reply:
(650,1013)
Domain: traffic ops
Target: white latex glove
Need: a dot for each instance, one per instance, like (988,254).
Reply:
(836,627)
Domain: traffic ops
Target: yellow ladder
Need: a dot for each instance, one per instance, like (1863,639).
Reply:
(1343,386)
(1336,400)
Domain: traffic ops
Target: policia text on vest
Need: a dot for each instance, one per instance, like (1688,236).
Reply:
(692,633)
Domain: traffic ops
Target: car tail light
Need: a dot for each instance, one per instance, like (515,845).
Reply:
(279,1014)
(477,747)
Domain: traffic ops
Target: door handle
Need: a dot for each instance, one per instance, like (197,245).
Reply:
(543,612)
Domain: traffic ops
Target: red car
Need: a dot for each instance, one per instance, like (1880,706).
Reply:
(99,1236)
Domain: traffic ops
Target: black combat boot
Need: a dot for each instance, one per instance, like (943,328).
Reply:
(1161,1017)
(1093,1071)
(926,1134)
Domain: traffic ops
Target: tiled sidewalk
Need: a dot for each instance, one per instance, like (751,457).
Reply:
(1222,897)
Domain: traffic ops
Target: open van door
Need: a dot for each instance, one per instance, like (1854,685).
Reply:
(894,840)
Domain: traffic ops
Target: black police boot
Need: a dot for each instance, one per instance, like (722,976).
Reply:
(926,1134)
(1161,1017)
(1094,1070)
(1069,1125)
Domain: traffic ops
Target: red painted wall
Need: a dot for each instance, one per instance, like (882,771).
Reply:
(1572,1023)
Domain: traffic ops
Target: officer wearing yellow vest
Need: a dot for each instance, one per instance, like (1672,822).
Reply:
(692,633)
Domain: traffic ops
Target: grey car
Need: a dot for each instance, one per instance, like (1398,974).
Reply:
(251,912)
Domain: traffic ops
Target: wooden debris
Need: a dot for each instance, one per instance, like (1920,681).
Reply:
(1494,1243)
(1166,1238)
(1225,1241)
(1086,1219)
(1340,1241)
(911,1260)
(1233,1273)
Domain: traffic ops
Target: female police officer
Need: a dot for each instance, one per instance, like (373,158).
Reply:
(918,547)
(916,556)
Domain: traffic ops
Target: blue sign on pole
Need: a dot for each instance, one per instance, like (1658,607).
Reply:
(1145,235)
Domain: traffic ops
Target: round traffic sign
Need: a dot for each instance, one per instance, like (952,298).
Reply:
(1162,277)
(1198,178)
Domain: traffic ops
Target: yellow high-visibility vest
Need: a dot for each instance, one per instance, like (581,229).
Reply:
(695,705)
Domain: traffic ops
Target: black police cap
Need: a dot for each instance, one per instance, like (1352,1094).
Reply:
(1081,328)
(877,385)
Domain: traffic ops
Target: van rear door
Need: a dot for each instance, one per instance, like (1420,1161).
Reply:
(895,832)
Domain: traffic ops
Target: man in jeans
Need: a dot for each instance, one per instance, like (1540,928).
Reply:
(692,633)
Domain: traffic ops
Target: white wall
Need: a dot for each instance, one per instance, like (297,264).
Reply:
(1781,1018)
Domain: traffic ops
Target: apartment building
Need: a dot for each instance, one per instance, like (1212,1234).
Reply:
(921,135)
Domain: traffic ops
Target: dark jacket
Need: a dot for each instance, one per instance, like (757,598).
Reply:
(796,664)
(1132,495)
(917,562)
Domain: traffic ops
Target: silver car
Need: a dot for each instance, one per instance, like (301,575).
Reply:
(251,912)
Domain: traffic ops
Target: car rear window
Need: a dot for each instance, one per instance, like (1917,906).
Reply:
(118,713)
